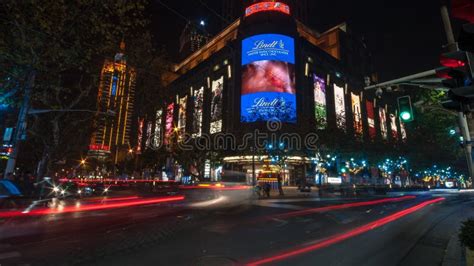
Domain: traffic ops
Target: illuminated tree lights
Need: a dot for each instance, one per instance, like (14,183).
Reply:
(387,168)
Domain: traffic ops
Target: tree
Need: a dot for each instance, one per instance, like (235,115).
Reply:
(62,45)
(429,141)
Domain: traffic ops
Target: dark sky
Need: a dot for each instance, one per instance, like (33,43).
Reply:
(405,37)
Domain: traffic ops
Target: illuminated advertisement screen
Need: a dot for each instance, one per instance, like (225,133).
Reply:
(340,106)
(182,114)
(158,124)
(371,119)
(216,105)
(198,97)
(393,126)
(357,113)
(169,123)
(403,131)
(383,123)
(320,106)
(268,79)
(268,47)
(141,123)
(267,6)
(149,128)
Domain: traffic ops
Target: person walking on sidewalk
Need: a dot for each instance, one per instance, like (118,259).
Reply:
(280,185)
(266,189)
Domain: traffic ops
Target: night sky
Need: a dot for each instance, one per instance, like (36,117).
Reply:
(404,37)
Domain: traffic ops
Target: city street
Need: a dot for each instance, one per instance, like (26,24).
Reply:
(230,132)
(417,229)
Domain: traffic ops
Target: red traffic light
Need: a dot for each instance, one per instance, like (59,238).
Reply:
(443,73)
(451,62)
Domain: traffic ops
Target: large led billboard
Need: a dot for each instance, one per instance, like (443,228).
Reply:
(216,105)
(371,119)
(268,79)
(340,105)
(357,113)
(198,98)
(273,47)
(320,111)
(383,123)
(267,6)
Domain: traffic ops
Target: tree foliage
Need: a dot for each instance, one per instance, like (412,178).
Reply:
(64,44)
(429,141)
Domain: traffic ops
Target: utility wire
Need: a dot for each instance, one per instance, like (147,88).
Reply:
(214,12)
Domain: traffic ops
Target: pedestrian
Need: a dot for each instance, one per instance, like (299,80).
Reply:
(258,190)
(266,188)
(29,183)
(280,185)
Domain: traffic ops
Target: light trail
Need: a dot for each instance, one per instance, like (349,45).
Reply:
(341,206)
(111,199)
(346,235)
(90,207)
(214,187)
(77,180)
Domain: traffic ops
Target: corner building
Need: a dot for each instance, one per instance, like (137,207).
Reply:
(267,67)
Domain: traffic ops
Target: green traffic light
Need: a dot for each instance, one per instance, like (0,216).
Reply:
(405,116)
(405,109)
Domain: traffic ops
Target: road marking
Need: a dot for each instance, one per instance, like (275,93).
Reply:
(280,222)
(315,244)
(282,206)
(9,255)
(307,199)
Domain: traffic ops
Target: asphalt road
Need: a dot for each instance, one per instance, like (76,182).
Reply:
(306,231)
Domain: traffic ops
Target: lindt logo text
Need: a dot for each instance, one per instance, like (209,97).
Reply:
(262,45)
(261,102)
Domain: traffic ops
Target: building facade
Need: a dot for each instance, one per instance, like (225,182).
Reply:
(115,100)
(267,73)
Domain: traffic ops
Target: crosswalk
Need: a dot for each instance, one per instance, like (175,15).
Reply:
(8,252)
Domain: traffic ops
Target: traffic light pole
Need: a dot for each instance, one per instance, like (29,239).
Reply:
(466,122)
(466,134)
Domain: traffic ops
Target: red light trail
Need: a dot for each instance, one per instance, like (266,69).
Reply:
(341,206)
(341,237)
(112,199)
(90,207)
(215,187)
(85,181)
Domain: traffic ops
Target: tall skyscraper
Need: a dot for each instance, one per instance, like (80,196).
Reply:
(192,39)
(116,97)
